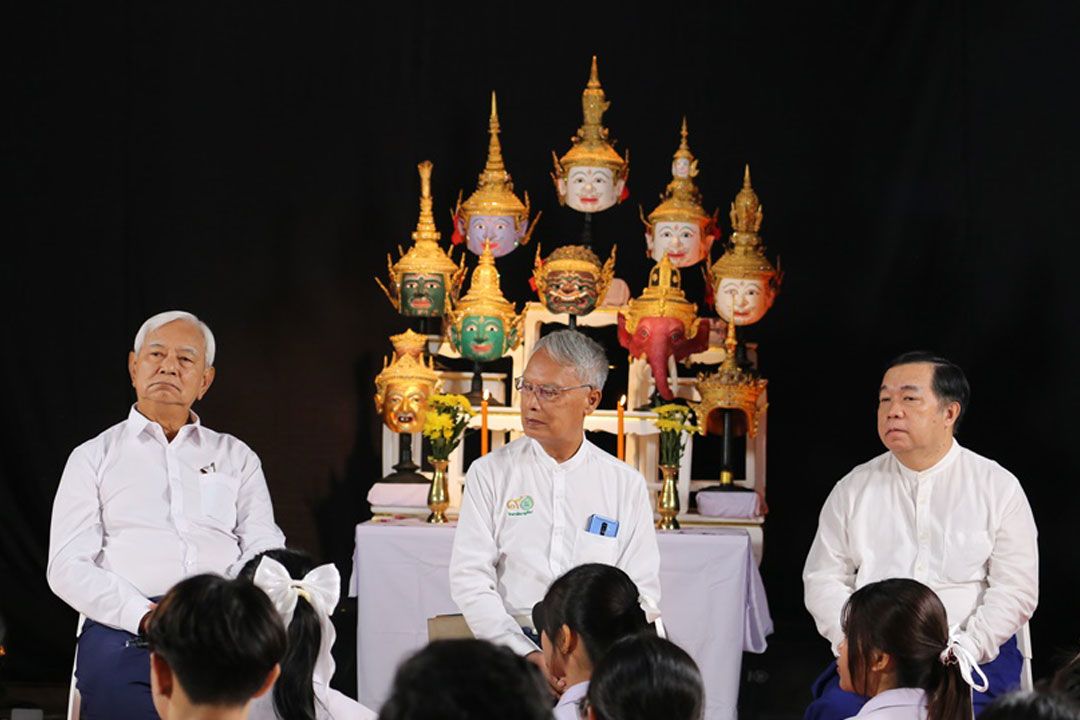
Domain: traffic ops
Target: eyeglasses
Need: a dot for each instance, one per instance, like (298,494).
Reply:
(546,393)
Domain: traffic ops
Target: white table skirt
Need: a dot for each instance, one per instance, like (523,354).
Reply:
(713,602)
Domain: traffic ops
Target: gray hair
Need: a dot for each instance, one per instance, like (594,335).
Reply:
(581,352)
(167,317)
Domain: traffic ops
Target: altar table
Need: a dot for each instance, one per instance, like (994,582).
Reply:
(713,602)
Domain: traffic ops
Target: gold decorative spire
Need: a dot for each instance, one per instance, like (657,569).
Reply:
(746,211)
(494,194)
(409,343)
(664,297)
(425,225)
(485,296)
(745,257)
(425,256)
(406,365)
(590,145)
(681,200)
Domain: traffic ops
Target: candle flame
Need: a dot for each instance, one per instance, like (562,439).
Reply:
(622,401)
(487,394)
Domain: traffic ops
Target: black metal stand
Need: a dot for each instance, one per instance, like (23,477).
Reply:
(406,470)
(727,473)
(586,231)
(572,322)
(476,389)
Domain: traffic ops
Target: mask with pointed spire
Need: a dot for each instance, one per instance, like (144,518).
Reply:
(679,226)
(591,176)
(662,326)
(483,325)
(425,278)
(493,212)
(745,283)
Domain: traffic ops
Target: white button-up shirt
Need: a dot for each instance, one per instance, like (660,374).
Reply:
(134,514)
(962,527)
(523,524)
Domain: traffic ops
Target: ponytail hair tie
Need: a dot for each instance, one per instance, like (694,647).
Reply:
(956,654)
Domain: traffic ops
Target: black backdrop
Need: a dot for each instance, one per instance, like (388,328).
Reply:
(254,161)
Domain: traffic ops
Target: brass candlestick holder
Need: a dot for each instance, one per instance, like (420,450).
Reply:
(438,498)
(667,501)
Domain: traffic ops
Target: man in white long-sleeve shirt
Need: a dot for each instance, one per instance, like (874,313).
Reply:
(526,508)
(930,510)
(152,500)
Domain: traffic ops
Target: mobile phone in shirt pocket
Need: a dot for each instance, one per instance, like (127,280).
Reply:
(592,548)
(966,555)
(217,497)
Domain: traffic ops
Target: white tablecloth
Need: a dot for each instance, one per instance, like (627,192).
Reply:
(713,602)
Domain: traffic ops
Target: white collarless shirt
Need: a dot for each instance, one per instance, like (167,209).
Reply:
(522,525)
(134,514)
(895,704)
(962,527)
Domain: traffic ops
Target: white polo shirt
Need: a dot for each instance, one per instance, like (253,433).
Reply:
(523,525)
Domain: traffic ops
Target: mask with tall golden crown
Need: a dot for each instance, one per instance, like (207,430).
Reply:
(664,297)
(744,266)
(681,203)
(730,388)
(592,150)
(425,281)
(483,325)
(571,279)
(406,382)
(493,199)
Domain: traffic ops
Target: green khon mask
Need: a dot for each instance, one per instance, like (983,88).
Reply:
(423,294)
(483,338)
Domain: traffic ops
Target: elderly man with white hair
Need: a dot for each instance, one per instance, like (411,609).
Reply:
(548,502)
(152,500)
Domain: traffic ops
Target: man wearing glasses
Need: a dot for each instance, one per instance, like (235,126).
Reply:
(548,502)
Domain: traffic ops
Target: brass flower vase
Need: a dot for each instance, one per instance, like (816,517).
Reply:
(438,498)
(667,500)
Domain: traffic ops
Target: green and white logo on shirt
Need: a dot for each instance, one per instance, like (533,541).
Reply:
(519,506)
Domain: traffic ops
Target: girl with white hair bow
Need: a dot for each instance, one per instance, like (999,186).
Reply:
(305,597)
(899,652)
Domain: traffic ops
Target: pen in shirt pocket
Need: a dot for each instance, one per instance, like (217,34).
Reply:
(208,469)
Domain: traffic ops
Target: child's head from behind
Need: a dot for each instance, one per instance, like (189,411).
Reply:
(643,677)
(213,642)
(467,680)
(584,613)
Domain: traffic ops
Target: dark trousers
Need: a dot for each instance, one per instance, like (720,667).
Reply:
(832,703)
(113,677)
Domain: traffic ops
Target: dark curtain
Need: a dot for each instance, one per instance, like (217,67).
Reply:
(255,161)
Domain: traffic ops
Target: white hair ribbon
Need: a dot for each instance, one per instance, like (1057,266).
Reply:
(955,652)
(652,614)
(321,588)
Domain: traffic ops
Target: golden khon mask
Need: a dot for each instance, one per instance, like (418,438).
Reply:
(403,387)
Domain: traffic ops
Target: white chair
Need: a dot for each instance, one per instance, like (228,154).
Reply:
(1023,644)
(73,692)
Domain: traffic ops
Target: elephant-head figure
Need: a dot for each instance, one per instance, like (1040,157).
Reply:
(662,326)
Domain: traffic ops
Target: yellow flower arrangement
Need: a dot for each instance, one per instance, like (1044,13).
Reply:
(445,423)
(673,420)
